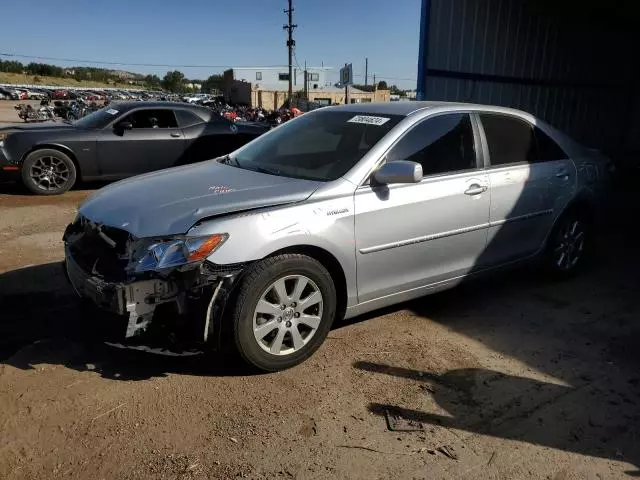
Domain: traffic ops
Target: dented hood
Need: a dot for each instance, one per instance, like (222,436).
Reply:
(171,201)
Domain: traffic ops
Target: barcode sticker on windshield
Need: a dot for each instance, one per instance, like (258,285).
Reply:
(112,111)
(369,120)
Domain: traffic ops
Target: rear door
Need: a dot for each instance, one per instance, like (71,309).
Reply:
(154,142)
(531,178)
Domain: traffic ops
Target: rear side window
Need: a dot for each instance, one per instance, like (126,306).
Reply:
(441,144)
(153,118)
(548,149)
(187,119)
(510,139)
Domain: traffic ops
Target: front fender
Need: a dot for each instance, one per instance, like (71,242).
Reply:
(325,224)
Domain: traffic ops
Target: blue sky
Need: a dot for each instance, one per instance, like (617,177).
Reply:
(220,32)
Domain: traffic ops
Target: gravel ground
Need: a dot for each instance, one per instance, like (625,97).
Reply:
(511,377)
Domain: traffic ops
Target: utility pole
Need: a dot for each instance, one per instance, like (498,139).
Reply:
(306,81)
(346,89)
(366,71)
(374,80)
(290,45)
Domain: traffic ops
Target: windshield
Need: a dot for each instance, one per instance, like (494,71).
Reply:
(98,119)
(322,145)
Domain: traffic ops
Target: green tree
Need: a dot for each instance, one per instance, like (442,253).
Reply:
(382,85)
(174,82)
(152,81)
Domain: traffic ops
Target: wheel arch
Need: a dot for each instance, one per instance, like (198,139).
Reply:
(62,149)
(585,203)
(331,263)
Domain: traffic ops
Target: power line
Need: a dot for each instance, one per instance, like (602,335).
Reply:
(101,62)
(170,65)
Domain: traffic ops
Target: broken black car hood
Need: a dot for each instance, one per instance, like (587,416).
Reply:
(171,201)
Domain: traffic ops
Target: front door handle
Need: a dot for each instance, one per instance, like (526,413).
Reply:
(475,189)
(562,174)
(175,134)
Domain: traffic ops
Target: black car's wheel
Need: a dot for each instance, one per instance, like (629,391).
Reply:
(283,311)
(48,172)
(569,244)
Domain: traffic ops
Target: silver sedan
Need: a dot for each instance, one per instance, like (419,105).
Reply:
(336,213)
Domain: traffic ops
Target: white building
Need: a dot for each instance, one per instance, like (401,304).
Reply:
(277,78)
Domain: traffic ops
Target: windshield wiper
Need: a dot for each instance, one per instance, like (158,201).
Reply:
(228,160)
(268,171)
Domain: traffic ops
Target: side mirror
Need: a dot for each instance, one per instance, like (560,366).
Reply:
(400,171)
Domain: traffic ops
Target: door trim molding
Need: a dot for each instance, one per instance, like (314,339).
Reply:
(527,216)
(450,233)
(425,238)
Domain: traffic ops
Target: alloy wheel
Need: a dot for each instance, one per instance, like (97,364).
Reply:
(49,173)
(287,315)
(569,245)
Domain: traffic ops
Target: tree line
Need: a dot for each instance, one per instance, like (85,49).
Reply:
(174,81)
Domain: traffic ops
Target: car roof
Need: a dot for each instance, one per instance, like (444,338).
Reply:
(407,108)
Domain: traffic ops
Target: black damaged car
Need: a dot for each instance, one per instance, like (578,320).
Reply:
(116,142)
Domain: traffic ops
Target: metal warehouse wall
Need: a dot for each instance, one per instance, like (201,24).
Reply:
(547,60)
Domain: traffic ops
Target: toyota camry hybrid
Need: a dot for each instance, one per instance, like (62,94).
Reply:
(116,142)
(339,212)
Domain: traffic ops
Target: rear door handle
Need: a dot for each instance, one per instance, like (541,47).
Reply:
(562,174)
(475,189)
(175,134)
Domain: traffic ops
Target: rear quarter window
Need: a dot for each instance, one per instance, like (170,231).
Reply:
(187,118)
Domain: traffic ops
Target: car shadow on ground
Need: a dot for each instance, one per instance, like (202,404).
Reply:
(585,418)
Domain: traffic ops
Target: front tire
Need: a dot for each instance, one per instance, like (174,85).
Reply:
(283,311)
(48,172)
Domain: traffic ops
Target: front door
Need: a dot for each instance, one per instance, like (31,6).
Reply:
(531,178)
(153,142)
(409,236)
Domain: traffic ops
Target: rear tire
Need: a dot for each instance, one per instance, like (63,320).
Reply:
(569,245)
(48,172)
(282,312)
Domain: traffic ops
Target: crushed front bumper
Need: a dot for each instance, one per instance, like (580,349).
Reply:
(138,299)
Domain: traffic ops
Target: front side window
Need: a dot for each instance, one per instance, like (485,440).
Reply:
(322,145)
(153,118)
(441,144)
(510,139)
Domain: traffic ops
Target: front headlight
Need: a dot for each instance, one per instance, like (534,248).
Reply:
(178,252)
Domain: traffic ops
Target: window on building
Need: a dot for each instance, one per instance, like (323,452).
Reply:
(258,75)
(314,77)
(441,144)
(283,77)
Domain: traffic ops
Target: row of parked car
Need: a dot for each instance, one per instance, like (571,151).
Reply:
(8,92)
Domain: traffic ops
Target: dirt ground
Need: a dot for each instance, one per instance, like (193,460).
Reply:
(506,378)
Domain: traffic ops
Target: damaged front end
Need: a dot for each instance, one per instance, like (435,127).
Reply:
(132,277)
